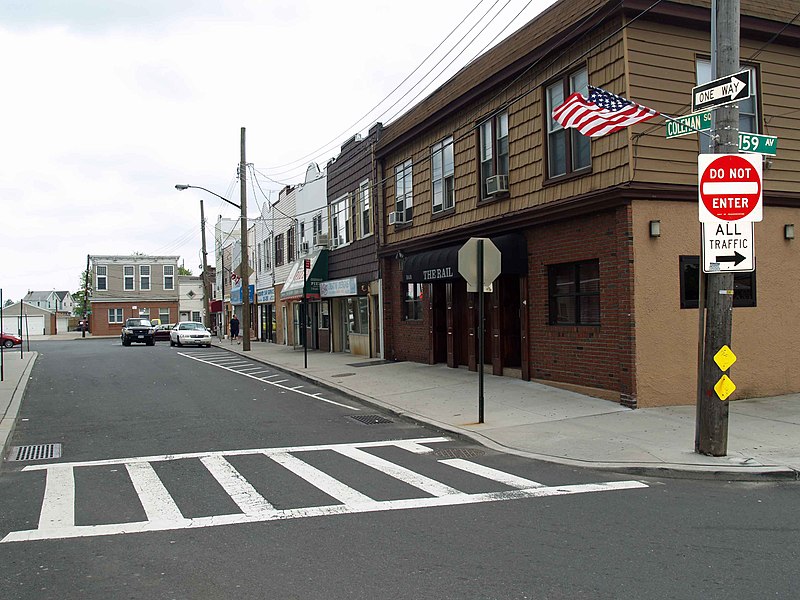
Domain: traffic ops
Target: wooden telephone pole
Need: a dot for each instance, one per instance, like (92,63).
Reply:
(206,282)
(711,436)
(245,258)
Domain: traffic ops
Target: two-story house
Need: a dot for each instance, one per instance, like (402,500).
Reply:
(599,237)
(132,286)
(352,294)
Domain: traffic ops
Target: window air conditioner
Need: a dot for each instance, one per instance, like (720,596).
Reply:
(304,247)
(496,184)
(335,242)
(320,239)
(397,218)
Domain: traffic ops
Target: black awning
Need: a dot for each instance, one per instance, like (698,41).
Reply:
(442,264)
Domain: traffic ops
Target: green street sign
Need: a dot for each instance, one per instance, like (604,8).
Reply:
(689,124)
(760,144)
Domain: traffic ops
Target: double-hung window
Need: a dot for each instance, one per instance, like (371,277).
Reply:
(568,151)
(101,282)
(144,277)
(290,238)
(163,315)
(748,107)
(364,209)
(574,290)
(115,315)
(267,263)
(339,221)
(279,250)
(169,277)
(494,154)
(403,192)
(442,175)
(128,278)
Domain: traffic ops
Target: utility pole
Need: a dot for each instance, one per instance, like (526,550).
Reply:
(85,299)
(206,283)
(711,437)
(245,257)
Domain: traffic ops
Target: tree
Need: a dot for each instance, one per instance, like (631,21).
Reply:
(184,271)
(82,303)
(9,302)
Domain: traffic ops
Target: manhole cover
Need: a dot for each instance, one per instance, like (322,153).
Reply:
(458,452)
(35,452)
(371,419)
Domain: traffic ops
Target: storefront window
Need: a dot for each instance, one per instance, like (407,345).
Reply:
(412,302)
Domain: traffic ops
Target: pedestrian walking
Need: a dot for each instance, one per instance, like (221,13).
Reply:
(234,329)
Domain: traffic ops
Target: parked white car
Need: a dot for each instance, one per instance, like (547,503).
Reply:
(189,332)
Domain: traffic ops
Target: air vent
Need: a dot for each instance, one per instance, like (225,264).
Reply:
(371,419)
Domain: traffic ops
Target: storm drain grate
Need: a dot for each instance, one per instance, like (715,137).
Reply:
(35,452)
(371,419)
(458,452)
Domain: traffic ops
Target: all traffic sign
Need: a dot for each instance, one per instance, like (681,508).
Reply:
(728,247)
(730,187)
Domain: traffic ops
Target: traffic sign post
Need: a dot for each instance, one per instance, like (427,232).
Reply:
(479,262)
(722,91)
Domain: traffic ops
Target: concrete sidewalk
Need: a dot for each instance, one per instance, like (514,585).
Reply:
(552,424)
(526,418)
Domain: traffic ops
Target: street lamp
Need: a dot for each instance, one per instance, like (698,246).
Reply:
(245,276)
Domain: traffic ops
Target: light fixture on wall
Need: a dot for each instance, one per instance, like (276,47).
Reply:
(655,228)
(788,231)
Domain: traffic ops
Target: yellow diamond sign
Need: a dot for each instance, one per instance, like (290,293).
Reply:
(725,387)
(724,358)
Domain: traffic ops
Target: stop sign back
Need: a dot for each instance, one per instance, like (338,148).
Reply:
(730,187)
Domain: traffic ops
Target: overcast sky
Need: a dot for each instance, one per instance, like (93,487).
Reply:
(107,104)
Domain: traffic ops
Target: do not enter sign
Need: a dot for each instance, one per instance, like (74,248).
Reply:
(730,187)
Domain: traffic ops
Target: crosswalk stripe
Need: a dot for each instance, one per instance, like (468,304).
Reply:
(58,506)
(408,476)
(157,503)
(236,486)
(493,474)
(321,480)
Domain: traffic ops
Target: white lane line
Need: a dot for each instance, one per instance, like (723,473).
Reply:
(58,506)
(275,383)
(297,387)
(408,476)
(493,474)
(157,503)
(271,376)
(321,480)
(317,511)
(236,486)
(267,451)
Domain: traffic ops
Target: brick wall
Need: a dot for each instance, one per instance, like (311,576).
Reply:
(99,324)
(403,340)
(595,356)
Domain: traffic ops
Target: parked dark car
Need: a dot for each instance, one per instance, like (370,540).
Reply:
(9,340)
(162,332)
(138,330)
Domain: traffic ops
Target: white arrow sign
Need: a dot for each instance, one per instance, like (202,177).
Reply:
(721,91)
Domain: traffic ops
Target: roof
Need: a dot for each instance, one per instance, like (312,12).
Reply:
(38,296)
(561,24)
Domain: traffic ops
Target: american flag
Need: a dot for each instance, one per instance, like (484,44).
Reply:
(602,113)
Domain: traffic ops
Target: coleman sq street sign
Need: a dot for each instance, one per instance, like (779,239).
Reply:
(719,92)
(730,187)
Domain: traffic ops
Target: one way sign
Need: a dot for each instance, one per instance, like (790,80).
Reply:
(719,92)
(728,246)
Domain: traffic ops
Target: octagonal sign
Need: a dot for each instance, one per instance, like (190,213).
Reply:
(730,187)
(468,262)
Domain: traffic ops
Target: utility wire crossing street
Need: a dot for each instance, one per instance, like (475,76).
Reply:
(57,516)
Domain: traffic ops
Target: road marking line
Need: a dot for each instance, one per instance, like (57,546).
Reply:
(320,480)
(493,474)
(236,486)
(316,511)
(157,503)
(408,476)
(58,506)
(275,383)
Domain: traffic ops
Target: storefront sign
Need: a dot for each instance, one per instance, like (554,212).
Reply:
(236,294)
(266,296)
(338,288)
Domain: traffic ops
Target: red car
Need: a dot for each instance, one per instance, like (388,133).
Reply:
(9,340)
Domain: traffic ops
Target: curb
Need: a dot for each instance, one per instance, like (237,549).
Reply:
(8,422)
(665,470)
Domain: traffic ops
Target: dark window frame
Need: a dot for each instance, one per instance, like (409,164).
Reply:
(575,297)
(571,135)
(413,307)
(496,168)
(745,290)
(279,250)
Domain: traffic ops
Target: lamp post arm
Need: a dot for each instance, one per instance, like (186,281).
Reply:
(182,187)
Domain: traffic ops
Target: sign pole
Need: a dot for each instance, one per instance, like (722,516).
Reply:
(302,329)
(480,331)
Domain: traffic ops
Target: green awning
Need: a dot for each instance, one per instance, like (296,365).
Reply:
(315,274)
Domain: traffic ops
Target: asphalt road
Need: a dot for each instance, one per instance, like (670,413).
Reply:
(193,473)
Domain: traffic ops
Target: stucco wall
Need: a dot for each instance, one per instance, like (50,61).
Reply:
(764,338)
